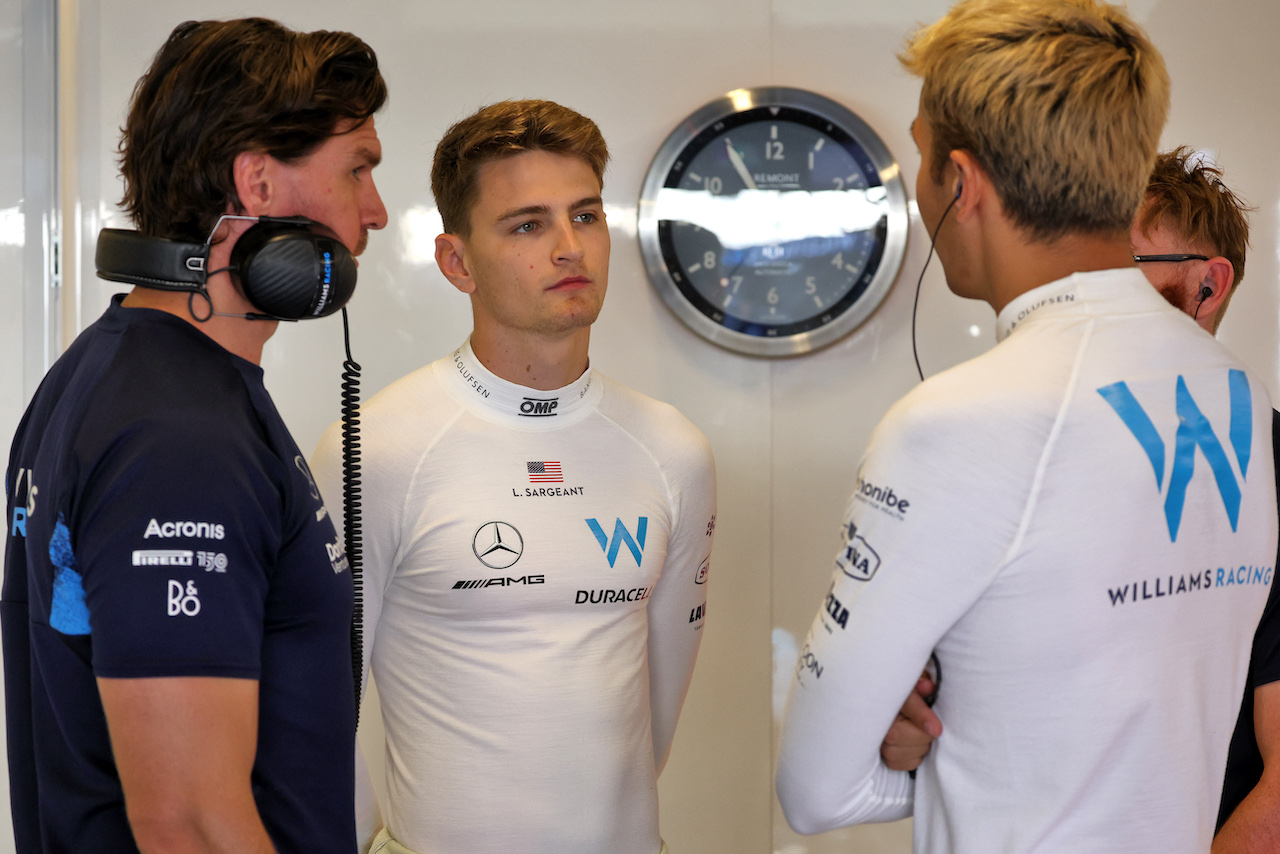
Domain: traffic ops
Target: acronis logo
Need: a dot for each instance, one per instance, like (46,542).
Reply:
(1194,431)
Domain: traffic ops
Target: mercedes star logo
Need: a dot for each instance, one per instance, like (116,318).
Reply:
(497,545)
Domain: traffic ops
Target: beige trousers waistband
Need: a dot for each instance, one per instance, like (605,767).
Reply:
(384,844)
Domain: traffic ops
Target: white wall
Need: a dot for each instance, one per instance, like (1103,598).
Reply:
(12,234)
(786,433)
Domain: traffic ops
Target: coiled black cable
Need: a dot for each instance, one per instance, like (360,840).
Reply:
(351,502)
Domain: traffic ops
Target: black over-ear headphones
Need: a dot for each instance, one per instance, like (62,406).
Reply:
(285,266)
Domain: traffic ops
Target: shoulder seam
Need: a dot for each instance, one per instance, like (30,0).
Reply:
(1037,483)
(662,472)
(413,479)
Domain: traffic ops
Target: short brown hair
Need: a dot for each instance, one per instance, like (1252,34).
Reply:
(502,130)
(1189,198)
(1061,102)
(219,88)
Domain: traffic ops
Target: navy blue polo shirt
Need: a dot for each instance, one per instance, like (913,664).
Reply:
(162,523)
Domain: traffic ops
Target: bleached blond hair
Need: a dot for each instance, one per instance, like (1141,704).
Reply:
(1061,102)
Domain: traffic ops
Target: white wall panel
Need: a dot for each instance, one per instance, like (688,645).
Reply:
(787,434)
(12,240)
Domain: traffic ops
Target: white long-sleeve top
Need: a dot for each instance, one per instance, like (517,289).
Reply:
(535,568)
(1082,523)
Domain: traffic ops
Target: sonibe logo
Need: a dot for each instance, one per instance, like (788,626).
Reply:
(881,497)
(1194,431)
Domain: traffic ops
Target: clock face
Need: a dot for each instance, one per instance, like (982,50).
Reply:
(773,221)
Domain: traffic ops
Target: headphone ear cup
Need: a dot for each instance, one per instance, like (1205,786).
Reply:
(291,272)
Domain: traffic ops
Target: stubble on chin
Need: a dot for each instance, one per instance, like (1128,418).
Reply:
(577,313)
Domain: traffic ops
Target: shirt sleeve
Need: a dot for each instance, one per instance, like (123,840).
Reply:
(380,515)
(172,543)
(380,534)
(1265,663)
(677,607)
(1266,644)
(927,529)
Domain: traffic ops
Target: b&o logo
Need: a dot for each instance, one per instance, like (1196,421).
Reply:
(1194,431)
(183,600)
(497,545)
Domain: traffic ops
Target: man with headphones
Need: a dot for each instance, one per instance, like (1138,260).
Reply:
(1091,527)
(176,603)
(537,536)
(1190,238)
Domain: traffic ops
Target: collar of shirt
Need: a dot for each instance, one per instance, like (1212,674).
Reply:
(485,392)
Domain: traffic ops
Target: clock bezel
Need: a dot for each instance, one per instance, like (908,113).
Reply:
(892,250)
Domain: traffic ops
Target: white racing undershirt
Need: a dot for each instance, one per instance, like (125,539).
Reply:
(1087,555)
(535,567)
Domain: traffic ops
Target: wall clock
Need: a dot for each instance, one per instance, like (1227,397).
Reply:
(773,221)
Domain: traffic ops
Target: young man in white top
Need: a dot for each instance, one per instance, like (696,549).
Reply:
(537,537)
(1190,238)
(1079,525)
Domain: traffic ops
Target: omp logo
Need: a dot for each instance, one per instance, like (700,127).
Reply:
(857,560)
(162,557)
(621,536)
(497,545)
(539,407)
(203,530)
(1194,431)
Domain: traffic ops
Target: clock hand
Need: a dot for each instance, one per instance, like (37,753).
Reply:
(736,159)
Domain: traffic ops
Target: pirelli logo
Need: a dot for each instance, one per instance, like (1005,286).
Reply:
(163,557)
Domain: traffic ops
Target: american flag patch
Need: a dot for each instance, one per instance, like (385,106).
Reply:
(545,472)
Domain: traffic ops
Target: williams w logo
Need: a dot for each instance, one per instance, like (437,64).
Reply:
(1194,431)
(621,537)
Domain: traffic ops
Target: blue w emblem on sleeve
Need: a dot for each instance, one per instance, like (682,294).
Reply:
(1194,431)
